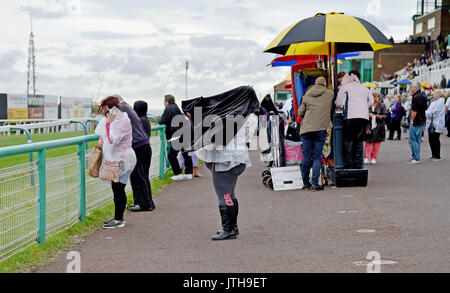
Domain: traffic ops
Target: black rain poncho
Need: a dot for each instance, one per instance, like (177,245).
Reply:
(239,101)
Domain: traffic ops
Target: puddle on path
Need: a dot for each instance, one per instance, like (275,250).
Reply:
(350,212)
(366,230)
(375,262)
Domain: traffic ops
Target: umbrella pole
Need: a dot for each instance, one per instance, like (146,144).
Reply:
(335,81)
(330,79)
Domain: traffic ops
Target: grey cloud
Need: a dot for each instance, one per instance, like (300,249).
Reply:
(139,66)
(218,41)
(40,12)
(130,64)
(108,35)
(8,59)
(98,62)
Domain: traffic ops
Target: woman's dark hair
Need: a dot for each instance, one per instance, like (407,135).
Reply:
(109,102)
(355,72)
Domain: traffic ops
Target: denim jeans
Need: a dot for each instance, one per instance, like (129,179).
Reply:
(312,154)
(415,140)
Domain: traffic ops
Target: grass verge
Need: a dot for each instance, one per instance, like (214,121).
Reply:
(34,256)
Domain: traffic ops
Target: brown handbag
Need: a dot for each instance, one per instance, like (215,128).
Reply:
(95,161)
(110,171)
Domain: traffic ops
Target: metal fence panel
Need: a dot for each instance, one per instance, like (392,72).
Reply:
(34,207)
(18,209)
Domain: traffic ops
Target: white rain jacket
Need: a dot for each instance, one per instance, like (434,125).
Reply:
(236,151)
(117,148)
(436,113)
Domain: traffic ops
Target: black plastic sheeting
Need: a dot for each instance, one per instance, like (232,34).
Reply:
(268,104)
(239,101)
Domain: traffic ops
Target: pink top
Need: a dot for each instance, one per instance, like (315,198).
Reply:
(359,97)
(108,127)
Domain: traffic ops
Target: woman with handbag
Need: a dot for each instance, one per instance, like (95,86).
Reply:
(376,129)
(118,157)
(436,123)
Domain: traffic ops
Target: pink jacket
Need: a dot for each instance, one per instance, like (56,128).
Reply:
(359,98)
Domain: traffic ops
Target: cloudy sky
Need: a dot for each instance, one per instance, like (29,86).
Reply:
(138,48)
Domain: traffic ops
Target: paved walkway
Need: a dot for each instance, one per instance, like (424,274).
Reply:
(292,231)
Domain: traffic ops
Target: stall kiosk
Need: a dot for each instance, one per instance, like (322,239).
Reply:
(333,170)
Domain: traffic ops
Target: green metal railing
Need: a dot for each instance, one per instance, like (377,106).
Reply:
(42,169)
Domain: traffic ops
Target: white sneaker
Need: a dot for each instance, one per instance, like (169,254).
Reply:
(436,159)
(413,162)
(177,177)
(187,176)
(373,161)
(366,161)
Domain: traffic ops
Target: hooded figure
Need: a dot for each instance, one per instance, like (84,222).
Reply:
(315,109)
(141,107)
(140,182)
(355,99)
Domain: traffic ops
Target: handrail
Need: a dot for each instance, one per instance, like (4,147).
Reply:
(81,142)
(27,132)
(52,144)
(82,124)
(154,118)
(40,148)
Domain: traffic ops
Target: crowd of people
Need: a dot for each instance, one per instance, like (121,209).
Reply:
(126,155)
(435,51)
(369,118)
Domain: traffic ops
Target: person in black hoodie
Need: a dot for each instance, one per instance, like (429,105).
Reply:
(140,183)
(169,113)
(141,108)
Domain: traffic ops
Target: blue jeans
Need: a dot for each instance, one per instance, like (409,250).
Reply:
(415,140)
(312,154)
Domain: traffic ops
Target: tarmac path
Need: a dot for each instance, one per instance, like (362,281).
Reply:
(291,231)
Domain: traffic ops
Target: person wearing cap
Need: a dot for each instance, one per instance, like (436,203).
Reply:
(315,111)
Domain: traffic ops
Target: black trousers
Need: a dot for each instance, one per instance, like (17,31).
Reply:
(354,131)
(225,183)
(448,123)
(389,121)
(173,160)
(395,127)
(140,182)
(435,144)
(120,200)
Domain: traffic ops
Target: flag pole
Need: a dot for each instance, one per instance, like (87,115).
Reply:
(187,67)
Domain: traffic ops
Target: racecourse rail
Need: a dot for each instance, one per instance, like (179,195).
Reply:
(33,209)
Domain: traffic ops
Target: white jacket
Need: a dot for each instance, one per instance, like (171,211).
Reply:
(436,112)
(119,148)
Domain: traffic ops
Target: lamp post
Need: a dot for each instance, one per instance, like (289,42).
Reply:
(187,67)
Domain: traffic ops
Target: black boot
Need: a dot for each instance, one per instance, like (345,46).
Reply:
(236,228)
(227,214)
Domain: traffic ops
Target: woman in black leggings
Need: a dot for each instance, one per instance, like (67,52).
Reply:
(115,132)
(226,165)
